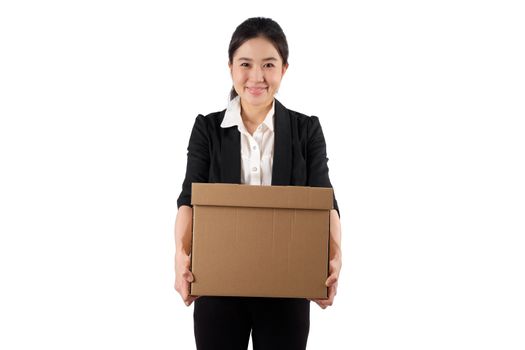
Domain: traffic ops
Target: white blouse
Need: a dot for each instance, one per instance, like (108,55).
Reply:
(257,150)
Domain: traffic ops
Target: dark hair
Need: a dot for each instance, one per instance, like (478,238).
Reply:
(258,27)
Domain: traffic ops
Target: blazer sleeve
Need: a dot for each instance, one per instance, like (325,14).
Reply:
(317,161)
(198,161)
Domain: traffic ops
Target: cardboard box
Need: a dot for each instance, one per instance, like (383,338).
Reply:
(260,241)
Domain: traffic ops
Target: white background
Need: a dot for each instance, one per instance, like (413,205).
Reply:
(422,106)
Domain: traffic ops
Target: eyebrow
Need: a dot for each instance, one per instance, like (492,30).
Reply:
(264,59)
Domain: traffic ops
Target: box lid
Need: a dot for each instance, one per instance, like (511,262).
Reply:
(240,195)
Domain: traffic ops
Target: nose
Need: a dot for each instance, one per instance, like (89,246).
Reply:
(257,74)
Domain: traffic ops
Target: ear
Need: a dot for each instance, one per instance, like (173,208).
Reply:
(230,66)
(285,67)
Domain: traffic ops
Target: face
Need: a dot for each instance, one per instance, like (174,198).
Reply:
(257,70)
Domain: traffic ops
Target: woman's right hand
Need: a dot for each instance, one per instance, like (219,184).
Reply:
(183,277)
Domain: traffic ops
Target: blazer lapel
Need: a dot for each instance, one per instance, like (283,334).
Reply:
(282,152)
(230,155)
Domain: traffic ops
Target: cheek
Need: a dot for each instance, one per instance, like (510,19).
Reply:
(239,76)
(274,79)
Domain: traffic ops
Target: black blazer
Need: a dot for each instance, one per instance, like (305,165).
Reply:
(299,157)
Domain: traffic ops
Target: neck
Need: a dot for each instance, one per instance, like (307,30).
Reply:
(254,114)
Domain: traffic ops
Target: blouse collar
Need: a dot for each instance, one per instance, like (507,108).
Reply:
(233,117)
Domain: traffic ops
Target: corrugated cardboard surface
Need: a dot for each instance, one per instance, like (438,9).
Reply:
(267,241)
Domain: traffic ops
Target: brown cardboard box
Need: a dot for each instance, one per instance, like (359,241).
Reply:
(266,241)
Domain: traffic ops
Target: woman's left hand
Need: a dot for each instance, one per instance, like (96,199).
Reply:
(331,282)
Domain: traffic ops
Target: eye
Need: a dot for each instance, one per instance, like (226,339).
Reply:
(271,65)
(243,64)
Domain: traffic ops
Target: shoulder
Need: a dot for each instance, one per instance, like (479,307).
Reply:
(210,121)
(299,118)
(212,118)
(307,124)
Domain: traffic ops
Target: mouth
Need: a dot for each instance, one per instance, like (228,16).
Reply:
(256,90)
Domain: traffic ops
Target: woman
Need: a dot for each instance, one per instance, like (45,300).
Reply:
(255,141)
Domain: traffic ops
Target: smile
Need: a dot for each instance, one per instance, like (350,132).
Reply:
(256,91)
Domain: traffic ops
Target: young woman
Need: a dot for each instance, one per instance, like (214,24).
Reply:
(256,141)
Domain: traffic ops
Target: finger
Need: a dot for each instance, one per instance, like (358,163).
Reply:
(331,291)
(324,303)
(316,300)
(190,300)
(193,298)
(188,276)
(331,280)
(331,295)
(320,303)
(184,292)
(328,282)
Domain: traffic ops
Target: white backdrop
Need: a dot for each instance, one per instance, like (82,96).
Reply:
(422,106)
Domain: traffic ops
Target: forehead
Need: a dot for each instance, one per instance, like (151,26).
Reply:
(256,49)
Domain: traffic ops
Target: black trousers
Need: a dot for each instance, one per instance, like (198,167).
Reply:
(225,323)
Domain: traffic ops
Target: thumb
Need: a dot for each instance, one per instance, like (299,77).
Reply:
(189,276)
(331,280)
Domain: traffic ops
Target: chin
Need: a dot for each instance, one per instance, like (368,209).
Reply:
(255,99)
(261,98)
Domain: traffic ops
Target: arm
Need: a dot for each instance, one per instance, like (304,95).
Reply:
(317,160)
(198,163)
(335,263)
(318,176)
(183,230)
(197,169)
(335,235)
(183,233)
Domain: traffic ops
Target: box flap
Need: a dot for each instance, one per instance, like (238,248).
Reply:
(239,195)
